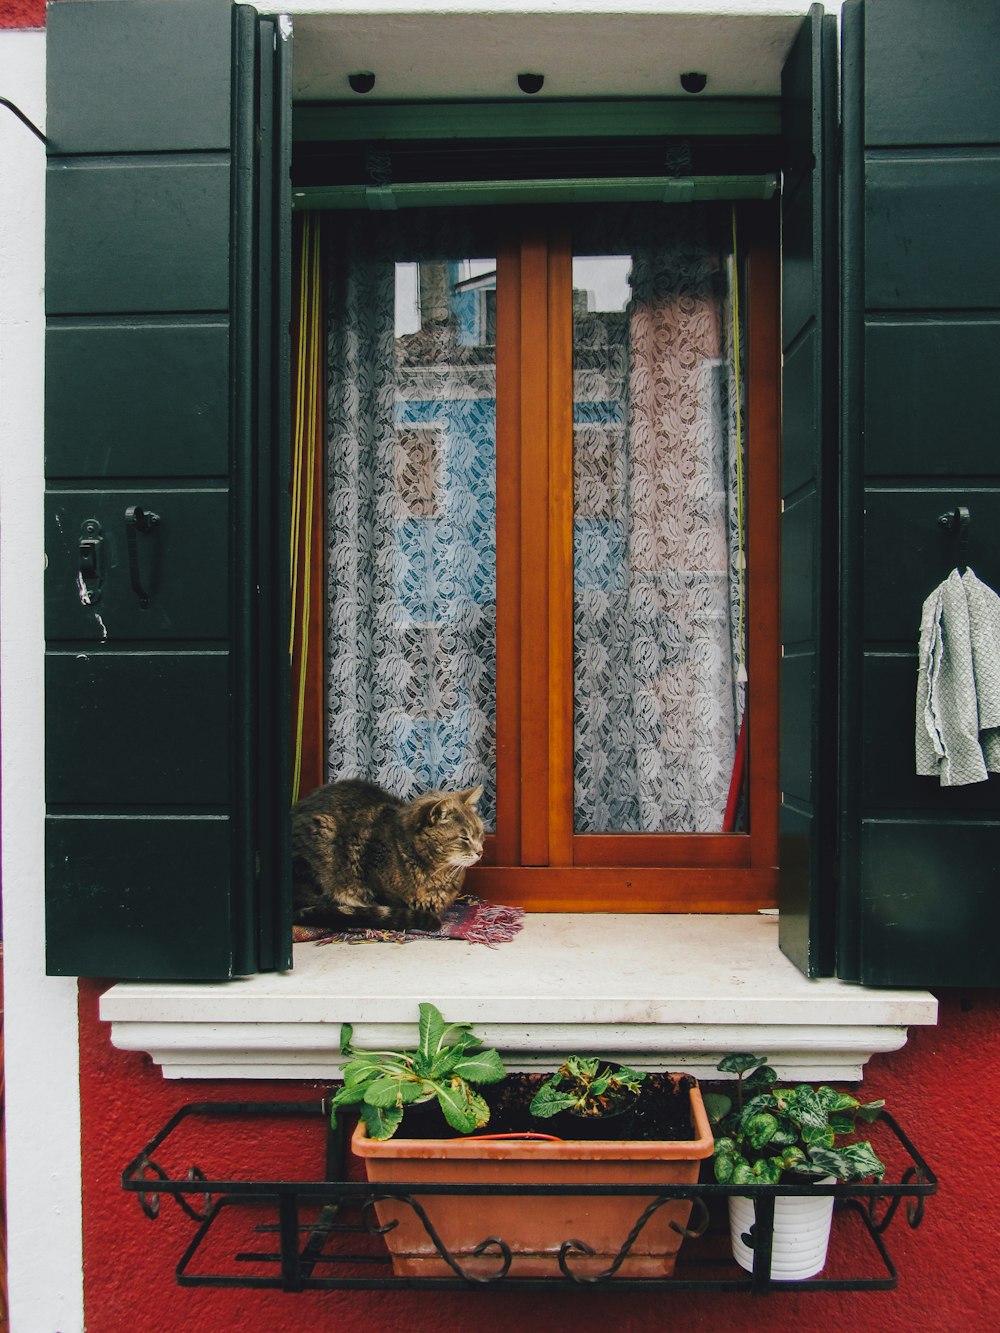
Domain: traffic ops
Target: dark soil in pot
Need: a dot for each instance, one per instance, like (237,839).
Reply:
(661,1111)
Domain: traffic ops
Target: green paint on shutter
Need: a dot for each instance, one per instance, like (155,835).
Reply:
(112,404)
(162,859)
(808,535)
(921,187)
(128,77)
(134,234)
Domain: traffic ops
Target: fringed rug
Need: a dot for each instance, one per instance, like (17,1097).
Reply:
(470,919)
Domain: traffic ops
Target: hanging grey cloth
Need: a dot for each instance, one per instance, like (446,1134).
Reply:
(958,682)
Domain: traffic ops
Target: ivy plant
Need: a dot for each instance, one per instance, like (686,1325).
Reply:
(769,1131)
(582,1087)
(448,1060)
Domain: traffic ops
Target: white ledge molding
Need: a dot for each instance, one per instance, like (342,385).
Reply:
(674,992)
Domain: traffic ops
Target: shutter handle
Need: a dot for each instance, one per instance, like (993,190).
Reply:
(138,520)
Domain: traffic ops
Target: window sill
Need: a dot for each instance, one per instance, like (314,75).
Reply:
(656,991)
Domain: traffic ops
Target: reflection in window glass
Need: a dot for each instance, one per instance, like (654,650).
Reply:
(658,634)
(412,508)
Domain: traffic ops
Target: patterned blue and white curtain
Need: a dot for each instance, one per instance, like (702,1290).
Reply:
(659,627)
(411,611)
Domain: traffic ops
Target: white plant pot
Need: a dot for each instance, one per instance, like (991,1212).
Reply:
(801,1234)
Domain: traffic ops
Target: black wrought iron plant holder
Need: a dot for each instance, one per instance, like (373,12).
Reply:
(347,1208)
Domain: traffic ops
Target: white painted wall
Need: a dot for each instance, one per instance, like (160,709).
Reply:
(40,1016)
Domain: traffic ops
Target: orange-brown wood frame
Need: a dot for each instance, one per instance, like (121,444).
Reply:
(535,859)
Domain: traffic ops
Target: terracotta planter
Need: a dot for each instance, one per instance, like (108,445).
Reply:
(534,1227)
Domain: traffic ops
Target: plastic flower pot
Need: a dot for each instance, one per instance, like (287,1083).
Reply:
(801,1233)
(535,1227)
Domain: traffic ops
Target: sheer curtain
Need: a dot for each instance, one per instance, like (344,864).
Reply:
(658,548)
(411,603)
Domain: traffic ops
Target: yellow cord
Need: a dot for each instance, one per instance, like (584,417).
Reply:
(307,408)
(740,532)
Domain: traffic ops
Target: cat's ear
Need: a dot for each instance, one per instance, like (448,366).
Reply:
(434,811)
(472,795)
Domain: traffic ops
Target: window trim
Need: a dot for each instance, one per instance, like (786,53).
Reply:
(536,859)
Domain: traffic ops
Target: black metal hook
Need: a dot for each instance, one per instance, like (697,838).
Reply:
(957,521)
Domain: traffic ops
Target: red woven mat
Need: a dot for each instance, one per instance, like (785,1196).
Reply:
(470,919)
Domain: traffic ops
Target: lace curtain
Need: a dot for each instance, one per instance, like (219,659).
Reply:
(411,609)
(658,622)
(658,694)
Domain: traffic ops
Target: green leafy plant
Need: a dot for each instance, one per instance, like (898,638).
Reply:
(771,1131)
(449,1058)
(583,1088)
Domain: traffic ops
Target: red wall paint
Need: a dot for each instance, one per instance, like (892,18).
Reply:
(22,13)
(949,1281)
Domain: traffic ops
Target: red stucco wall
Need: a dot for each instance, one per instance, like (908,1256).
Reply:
(22,13)
(942,1087)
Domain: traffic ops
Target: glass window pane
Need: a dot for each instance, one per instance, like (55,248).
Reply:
(658,525)
(412,506)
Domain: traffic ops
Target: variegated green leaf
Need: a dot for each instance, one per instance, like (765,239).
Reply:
(762,1077)
(768,1170)
(806,1109)
(760,1129)
(741,1062)
(836,1101)
(817,1136)
(743,1174)
(855,1161)
(724,1168)
(871,1111)
(762,1102)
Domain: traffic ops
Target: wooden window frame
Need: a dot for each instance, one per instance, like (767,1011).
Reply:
(535,859)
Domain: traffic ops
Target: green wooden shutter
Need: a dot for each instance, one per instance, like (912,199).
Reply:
(809,488)
(921,406)
(166,390)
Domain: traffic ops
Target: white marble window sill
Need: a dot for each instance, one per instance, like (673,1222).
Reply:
(671,992)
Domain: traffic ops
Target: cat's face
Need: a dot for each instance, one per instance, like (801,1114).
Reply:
(452,823)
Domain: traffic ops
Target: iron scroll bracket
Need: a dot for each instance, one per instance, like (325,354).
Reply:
(323,1235)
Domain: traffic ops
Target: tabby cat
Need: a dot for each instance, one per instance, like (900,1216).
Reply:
(362,857)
